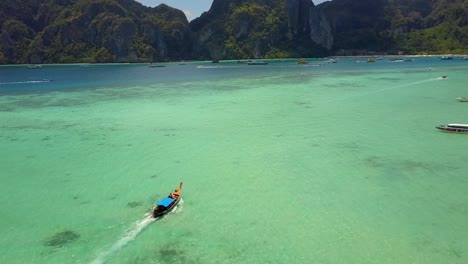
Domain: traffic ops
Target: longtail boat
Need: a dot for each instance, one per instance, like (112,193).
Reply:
(167,204)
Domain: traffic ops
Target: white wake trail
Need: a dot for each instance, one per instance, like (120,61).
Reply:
(131,234)
(384,89)
(128,236)
(26,82)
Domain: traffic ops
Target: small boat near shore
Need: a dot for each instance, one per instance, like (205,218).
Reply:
(33,67)
(257,63)
(457,128)
(462,99)
(167,204)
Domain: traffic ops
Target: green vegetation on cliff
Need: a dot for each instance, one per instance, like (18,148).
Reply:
(252,29)
(441,29)
(257,28)
(412,26)
(63,31)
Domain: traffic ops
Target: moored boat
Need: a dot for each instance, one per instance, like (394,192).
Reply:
(35,67)
(458,128)
(462,99)
(167,204)
(257,63)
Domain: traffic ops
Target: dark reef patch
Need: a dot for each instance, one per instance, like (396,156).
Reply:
(61,239)
(343,85)
(414,165)
(6,109)
(388,79)
(134,204)
(374,162)
(300,103)
(454,252)
(171,255)
(85,202)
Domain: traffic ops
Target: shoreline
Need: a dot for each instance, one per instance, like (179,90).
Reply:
(461,56)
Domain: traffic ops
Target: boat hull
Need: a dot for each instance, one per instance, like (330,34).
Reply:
(157,213)
(452,129)
(163,208)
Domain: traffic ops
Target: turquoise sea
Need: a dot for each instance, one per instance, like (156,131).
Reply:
(281,163)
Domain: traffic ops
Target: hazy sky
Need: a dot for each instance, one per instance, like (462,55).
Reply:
(191,8)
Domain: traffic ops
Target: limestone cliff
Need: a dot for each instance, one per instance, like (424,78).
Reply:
(93,31)
(63,31)
(261,29)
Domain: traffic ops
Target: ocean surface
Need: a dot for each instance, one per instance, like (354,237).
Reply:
(281,163)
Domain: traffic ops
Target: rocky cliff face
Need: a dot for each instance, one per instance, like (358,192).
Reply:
(93,31)
(320,28)
(306,19)
(61,31)
(256,29)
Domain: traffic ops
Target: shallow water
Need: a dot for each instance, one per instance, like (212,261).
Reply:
(283,163)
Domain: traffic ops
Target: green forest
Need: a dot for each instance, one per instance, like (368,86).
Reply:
(86,31)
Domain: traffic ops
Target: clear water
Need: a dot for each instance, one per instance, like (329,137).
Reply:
(283,163)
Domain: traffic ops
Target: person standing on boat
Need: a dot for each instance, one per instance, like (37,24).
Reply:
(175,194)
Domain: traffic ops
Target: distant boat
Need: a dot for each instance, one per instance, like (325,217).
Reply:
(152,65)
(35,67)
(167,204)
(257,63)
(302,61)
(446,58)
(457,128)
(370,60)
(462,99)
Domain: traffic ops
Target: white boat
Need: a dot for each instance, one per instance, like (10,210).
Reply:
(458,128)
(462,99)
(35,67)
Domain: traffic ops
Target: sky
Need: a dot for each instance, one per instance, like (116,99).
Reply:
(191,8)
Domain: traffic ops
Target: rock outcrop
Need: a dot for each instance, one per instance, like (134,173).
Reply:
(94,31)
(259,29)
